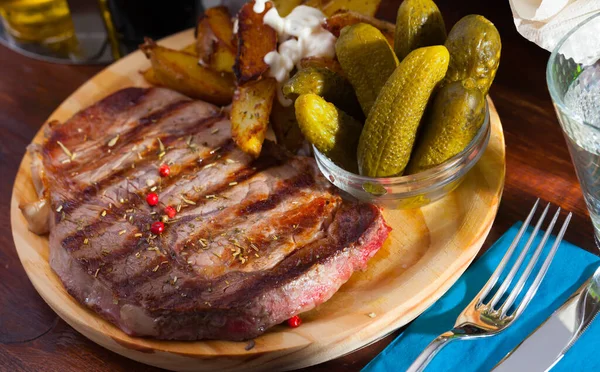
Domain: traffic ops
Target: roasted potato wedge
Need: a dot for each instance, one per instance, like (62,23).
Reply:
(330,7)
(150,76)
(343,18)
(255,40)
(190,49)
(220,23)
(205,41)
(285,126)
(319,4)
(212,52)
(180,71)
(285,7)
(250,113)
(322,62)
(222,59)
(215,40)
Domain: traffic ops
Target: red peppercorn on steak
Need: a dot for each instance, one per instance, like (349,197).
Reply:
(233,246)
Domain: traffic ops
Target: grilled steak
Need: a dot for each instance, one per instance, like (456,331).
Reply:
(254,242)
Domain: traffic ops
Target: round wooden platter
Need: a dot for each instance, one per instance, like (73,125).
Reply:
(429,248)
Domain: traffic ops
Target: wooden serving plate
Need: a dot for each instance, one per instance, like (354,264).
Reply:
(427,251)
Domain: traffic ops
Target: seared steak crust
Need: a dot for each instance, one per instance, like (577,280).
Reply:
(254,242)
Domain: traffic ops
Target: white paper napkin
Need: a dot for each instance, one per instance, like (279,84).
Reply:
(545,22)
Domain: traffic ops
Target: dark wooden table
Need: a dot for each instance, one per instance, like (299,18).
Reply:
(33,338)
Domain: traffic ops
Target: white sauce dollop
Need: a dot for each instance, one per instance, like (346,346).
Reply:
(259,6)
(301,35)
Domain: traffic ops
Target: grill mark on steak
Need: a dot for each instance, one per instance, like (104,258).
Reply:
(293,223)
(121,157)
(290,187)
(279,207)
(139,131)
(156,116)
(126,171)
(237,289)
(154,266)
(292,266)
(287,189)
(97,114)
(245,173)
(227,217)
(145,124)
(117,102)
(75,241)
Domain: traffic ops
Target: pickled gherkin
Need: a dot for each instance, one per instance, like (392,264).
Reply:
(474,45)
(457,113)
(319,81)
(333,132)
(328,84)
(419,23)
(389,134)
(367,59)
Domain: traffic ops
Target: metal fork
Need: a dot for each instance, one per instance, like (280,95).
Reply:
(481,319)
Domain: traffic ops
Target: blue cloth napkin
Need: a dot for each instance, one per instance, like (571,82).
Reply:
(570,268)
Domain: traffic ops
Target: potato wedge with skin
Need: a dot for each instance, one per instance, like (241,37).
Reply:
(150,76)
(222,59)
(250,113)
(255,40)
(215,40)
(181,72)
(190,49)
(343,18)
(220,23)
(322,62)
(205,41)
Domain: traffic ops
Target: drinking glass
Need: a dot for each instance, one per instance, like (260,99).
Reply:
(39,21)
(89,31)
(573,77)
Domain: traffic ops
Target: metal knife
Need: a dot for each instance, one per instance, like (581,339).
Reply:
(546,346)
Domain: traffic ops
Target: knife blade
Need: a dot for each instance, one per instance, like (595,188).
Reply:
(546,346)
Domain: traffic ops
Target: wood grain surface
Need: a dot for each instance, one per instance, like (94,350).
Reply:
(32,338)
(427,250)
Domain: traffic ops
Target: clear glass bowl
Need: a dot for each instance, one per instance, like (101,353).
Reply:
(411,191)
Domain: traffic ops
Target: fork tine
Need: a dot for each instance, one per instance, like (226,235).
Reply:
(494,278)
(478,321)
(538,279)
(517,265)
